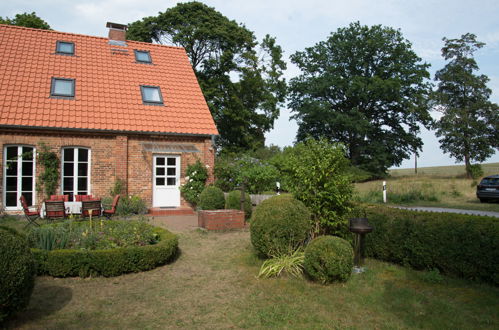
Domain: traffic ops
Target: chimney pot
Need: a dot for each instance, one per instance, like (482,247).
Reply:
(117,31)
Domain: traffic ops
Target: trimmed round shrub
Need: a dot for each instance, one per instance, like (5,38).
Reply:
(279,225)
(211,198)
(17,272)
(233,201)
(328,259)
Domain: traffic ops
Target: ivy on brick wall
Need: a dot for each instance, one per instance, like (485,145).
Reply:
(49,178)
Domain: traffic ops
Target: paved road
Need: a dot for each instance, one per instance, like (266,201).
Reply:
(446,210)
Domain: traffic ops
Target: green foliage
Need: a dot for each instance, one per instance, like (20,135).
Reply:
(412,195)
(317,175)
(328,259)
(118,187)
(279,226)
(26,20)
(476,171)
(107,262)
(17,271)
(130,205)
(257,175)
(366,88)
(233,201)
(48,180)
(196,175)
(211,198)
(469,126)
(241,79)
(457,244)
(291,264)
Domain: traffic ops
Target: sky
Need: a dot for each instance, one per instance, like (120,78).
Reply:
(298,24)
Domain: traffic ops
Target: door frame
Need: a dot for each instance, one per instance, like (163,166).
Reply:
(175,189)
(19,175)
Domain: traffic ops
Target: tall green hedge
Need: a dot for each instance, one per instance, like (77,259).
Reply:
(112,262)
(463,245)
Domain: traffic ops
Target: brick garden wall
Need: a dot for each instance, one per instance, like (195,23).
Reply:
(221,219)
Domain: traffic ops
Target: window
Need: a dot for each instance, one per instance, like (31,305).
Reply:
(63,87)
(65,48)
(151,95)
(19,176)
(142,56)
(75,171)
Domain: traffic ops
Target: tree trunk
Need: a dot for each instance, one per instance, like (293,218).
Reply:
(467,165)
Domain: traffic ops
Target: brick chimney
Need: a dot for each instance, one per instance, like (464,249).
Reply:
(117,31)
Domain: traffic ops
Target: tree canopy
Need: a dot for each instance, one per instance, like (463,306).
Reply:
(469,126)
(366,88)
(241,79)
(26,20)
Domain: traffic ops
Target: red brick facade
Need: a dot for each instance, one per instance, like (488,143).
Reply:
(114,156)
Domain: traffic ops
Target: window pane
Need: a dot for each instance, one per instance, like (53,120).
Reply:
(65,47)
(11,168)
(69,154)
(63,87)
(82,183)
(172,161)
(68,169)
(170,181)
(160,161)
(151,94)
(11,183)
(160,181)
(172,171)
(82,169)
(67,184)
(160,171)
(82,155)
(12,153)
(29,198)
(27,183)
(11,199)
(142,56)
(27,169)
(27,153)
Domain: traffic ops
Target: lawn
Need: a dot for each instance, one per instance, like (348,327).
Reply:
(213,285)
(444,186)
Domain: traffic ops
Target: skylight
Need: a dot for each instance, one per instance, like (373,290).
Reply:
(143,56)
(65,48)
(62,87)
(151,95)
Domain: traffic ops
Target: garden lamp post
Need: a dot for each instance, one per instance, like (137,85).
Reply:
(360,227)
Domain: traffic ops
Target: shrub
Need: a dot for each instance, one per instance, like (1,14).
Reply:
(17,272)
(131,205)
(196,175)
(458,244)
(233,201)
(476,171)
(107,262)
(291,264)
(212,198)
(328,259)
(279,225)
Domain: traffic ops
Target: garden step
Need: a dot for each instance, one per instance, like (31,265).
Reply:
(156,211)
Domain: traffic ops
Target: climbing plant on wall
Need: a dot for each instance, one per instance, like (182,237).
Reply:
(49,178)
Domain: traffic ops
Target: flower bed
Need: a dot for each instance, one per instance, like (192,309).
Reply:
(107,248)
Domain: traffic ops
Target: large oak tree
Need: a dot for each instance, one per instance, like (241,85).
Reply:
(26,20)
(366,88)
(241,79)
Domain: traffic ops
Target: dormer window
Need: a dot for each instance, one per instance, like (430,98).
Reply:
(65,48)
(142,56)
(62,87)
(151,95)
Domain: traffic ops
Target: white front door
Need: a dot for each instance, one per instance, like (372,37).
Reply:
(166,181)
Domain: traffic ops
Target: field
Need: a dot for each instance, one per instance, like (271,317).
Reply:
(444,186)
(213,285)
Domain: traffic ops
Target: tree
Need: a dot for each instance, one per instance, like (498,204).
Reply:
(26,20)
(240,79)
(469,124)
(365,87)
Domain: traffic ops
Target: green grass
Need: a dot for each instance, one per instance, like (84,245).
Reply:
(444,171)
(213,284)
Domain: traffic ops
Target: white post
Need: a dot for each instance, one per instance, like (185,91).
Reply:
(278,184)
(384,191)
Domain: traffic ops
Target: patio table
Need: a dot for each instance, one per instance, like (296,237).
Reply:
(71,208)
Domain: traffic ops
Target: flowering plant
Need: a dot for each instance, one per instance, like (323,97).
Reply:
(195,179)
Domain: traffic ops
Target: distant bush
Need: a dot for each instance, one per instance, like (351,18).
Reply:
(211,198)
(233,201)
(279,225)
(476,171)
(196,175)
(328,259)
(414,194)
(17,272)
(462,245)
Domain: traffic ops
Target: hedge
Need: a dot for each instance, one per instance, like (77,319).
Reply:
(111,262)
(466,246)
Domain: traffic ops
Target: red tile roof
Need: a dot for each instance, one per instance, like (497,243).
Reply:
(107,92)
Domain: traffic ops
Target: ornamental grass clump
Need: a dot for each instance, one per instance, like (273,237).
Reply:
(291,264)
(279,226)
(328,259)
(212,198)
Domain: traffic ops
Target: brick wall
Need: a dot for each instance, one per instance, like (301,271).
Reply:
(221,219)
(112,157)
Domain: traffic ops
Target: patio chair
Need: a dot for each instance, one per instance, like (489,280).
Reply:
(63,198)
(30,215)
(93,205)
(81,198)
(55,210)
(109,213)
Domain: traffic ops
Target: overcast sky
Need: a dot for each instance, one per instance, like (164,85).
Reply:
(302,23)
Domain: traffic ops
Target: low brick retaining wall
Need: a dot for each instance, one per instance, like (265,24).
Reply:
(221,219)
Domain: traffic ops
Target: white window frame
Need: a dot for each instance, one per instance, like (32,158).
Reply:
(75,169)
(19,175)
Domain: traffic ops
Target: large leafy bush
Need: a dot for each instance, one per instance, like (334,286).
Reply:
(233,201)
(17,272)
(211,198)
(279,225)
(328,259)
(196,176)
